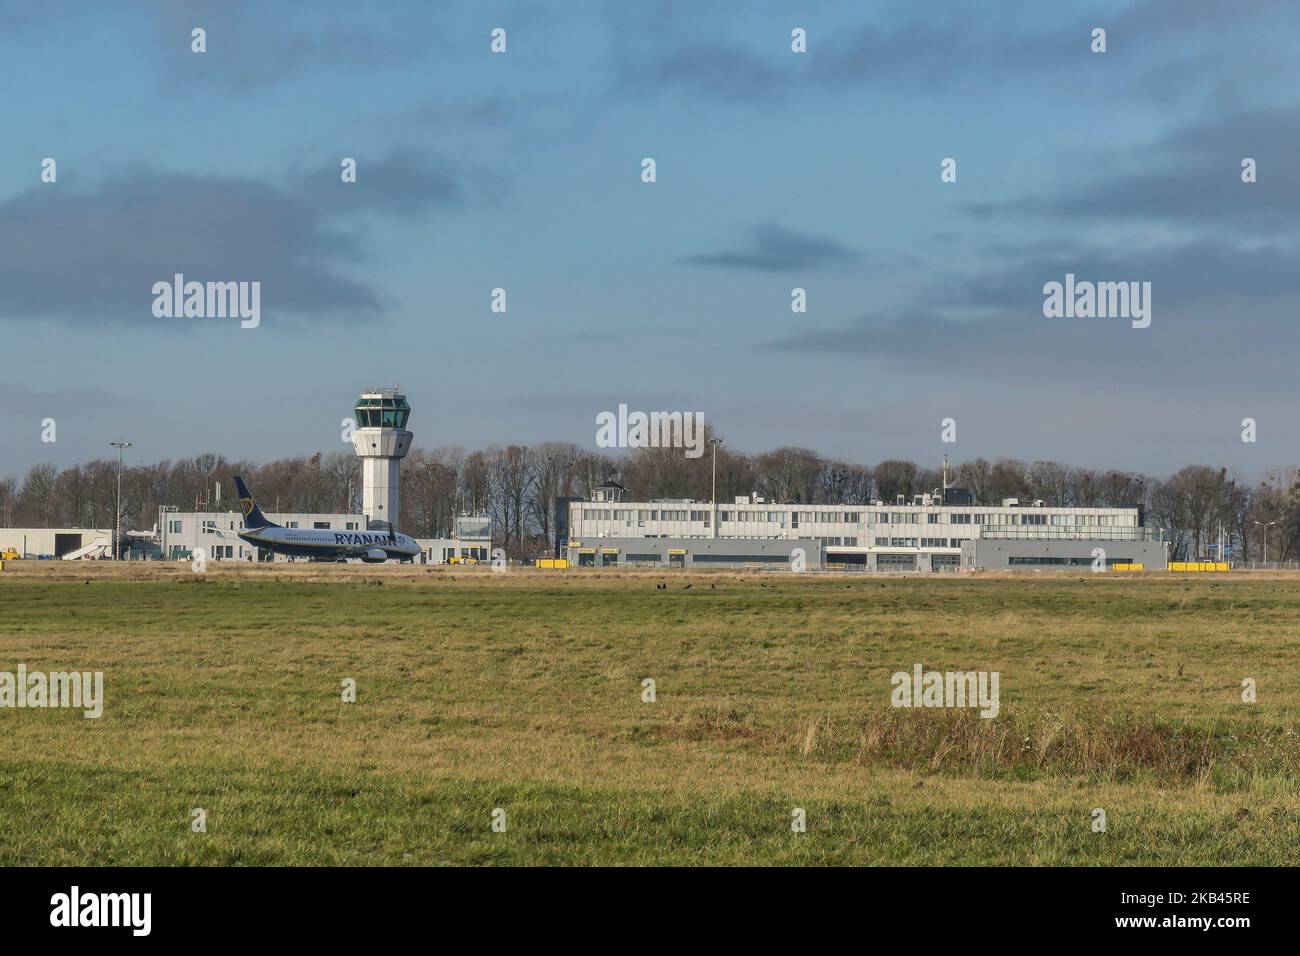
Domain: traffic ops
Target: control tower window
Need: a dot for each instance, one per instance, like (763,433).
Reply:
(382,412)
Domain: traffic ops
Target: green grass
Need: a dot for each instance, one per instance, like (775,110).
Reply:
(523,691)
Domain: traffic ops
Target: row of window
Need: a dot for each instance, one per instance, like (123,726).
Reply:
(215,551)
(382,412)
(912,542)
(177,527)
(854,517)
(740,558)
(1070,562)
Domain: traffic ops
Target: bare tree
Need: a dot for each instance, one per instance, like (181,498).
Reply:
(841,482)
(1120,489)
(475,481)
(974,476)
(511,472)
(1049,482)
(895,477)
(1201,488)
(37,501)
(789,474)
(8,501)
(1007,480)
(554,478)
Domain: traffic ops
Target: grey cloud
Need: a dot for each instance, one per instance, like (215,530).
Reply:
(1190,178)
(1185,275)
(90,258)
(773,248)
(249,50)
(1222,317)
(942,46)
(405,182)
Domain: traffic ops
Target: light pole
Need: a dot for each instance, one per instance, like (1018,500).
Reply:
(117,512)
(1265,532)
(713,495)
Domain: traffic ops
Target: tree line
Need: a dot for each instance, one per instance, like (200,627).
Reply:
(518,486)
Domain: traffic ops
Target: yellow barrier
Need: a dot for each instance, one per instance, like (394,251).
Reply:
(1219,566)
(557,564)
(1135,566)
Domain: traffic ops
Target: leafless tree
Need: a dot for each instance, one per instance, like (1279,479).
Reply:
(511,472)
(37,501)
(894,478)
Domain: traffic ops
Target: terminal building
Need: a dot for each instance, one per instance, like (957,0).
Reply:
(944,531)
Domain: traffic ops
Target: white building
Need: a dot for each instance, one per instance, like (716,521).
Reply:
(71,543)
(920,534)
(180,533)
(473,540)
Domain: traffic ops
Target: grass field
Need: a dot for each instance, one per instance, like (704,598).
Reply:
(523,691)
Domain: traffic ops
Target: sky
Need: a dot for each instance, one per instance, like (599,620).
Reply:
(774,170)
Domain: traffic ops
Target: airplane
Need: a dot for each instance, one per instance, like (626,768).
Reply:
(371,547)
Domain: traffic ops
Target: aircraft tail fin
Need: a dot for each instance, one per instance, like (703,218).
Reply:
(253,517)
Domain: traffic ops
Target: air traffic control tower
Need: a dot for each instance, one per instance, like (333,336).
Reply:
(382,441)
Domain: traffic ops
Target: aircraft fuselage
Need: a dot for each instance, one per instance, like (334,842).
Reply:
(333,545)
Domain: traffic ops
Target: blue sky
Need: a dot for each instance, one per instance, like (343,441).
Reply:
(775,170)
